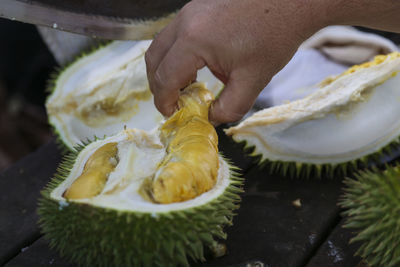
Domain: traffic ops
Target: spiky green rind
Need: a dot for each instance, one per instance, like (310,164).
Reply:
(329,170)
(372,203)
(93,236)
(52,83)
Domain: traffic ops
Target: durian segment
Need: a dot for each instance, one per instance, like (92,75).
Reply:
(372,204)
(350,117)
(102,92)
(95,173)
(191,166)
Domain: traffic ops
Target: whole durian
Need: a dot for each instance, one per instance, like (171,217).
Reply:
(348,123)
(105,90)
(372,203)
(144,198)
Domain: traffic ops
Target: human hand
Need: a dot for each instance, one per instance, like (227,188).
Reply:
(243,42)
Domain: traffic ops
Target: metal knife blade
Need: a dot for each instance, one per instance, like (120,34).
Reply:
(116,19)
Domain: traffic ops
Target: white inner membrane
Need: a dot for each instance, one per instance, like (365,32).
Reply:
(139,154)
(116,71)
(354,116)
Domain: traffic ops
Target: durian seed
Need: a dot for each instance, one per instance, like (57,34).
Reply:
(95,173)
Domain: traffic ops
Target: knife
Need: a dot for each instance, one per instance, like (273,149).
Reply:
(105,19)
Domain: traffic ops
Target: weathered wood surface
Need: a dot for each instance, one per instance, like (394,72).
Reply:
(269,228)
(336,250)
(19,190)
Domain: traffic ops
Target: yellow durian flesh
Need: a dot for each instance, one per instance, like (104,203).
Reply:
(192,163)
(95,173)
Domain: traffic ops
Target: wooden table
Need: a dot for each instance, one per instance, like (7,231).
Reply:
(268,231)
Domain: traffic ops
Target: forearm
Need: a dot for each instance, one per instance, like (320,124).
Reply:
(378,14)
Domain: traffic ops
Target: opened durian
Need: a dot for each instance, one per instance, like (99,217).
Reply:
(372,201)
(350,120)
(152,198)
(104,91)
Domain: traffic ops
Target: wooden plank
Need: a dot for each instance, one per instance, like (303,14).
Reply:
(32,256)
(336,250)
(269,229)
(19,189)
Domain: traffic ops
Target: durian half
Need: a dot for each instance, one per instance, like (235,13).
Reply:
(350,120)
(144,198)
(100,93)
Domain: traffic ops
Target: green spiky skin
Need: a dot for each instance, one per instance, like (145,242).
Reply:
(372,203)
(93,236)
(329,170)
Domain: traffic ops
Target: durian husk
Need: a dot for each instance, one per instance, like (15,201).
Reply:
(372,206)
(296,169)
(97,236)
(82,232)
(51,86)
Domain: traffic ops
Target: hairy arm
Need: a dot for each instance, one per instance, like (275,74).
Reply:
(245,42)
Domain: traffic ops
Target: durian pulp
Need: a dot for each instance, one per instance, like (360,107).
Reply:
(95,173)
(177,163)
(352,116)
(100,93)
(191,166)
(139,155)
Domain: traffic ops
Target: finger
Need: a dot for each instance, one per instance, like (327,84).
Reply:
(159,48)
(235,100)
(177,70)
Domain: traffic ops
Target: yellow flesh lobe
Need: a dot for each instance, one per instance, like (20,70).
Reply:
(95,173)
(191,166)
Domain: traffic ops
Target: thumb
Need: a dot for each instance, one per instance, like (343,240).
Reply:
(235,100)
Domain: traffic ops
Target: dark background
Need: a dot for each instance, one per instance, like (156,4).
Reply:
(25,67)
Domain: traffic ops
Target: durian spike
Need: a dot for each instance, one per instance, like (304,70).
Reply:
(372,203)
(191,166)
(95,173)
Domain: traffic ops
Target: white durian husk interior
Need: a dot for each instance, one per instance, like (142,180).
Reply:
(348,118)
(139,154)
(118,70)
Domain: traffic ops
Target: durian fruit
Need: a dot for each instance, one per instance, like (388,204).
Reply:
(349,122)
(144,198)
(100,93)
(372,203)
